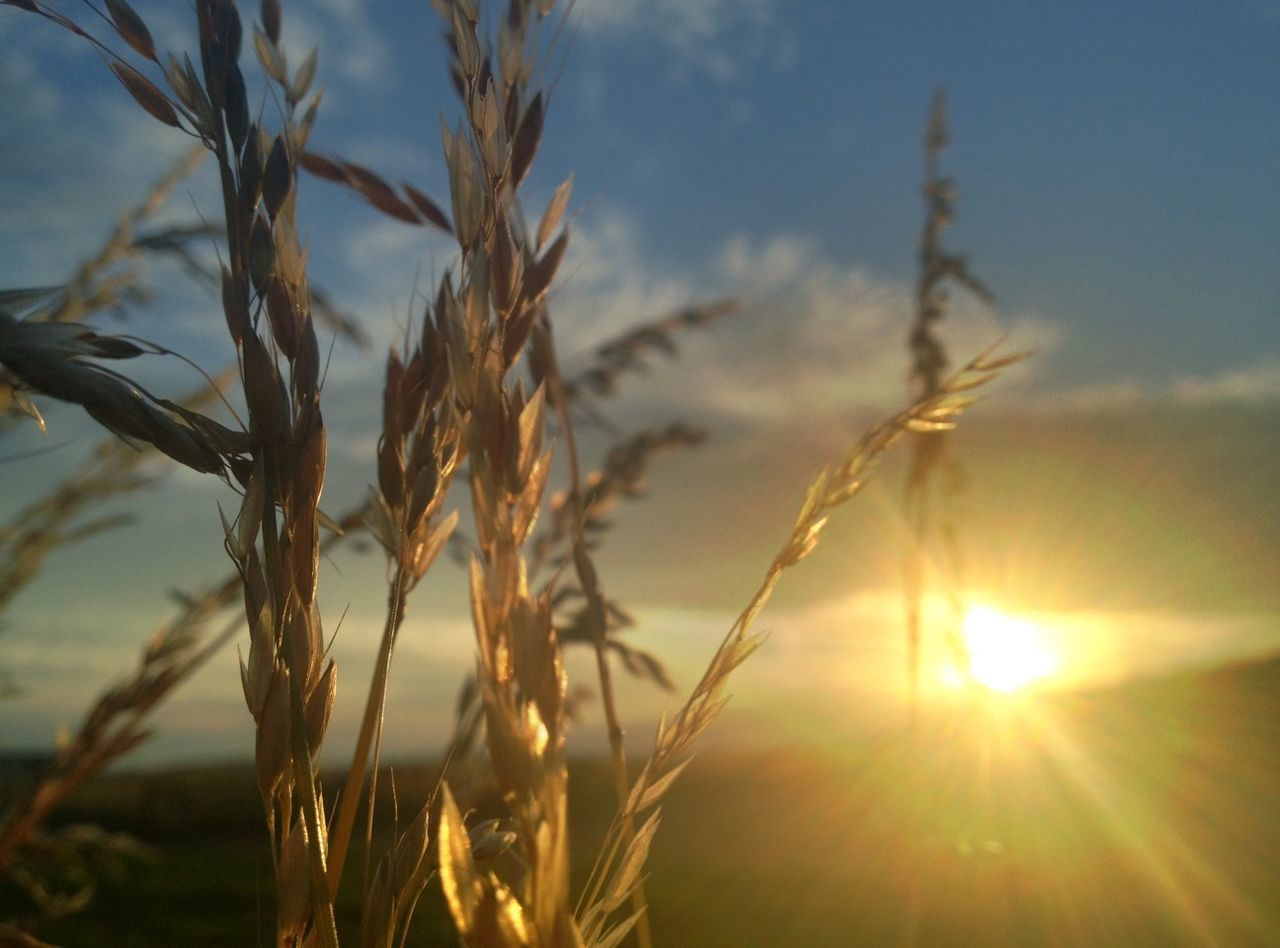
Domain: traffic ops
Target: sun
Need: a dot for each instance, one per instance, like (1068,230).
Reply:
(1007,654)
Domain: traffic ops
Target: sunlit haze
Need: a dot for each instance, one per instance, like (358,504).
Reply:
(875,406)
(1109,192)
(1005,653)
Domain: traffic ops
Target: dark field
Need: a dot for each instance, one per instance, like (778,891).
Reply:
(1136,816)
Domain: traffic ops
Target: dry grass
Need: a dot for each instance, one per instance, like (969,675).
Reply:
(473,397)
(934,476)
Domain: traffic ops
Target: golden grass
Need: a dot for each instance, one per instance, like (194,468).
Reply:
(473,397)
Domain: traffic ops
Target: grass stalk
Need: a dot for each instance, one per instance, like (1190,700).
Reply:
(596,610)
(370,727)
(932,449)
(613,877)
(459,393)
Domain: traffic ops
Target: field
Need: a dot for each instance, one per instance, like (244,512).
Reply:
(1129,816)
(394,340)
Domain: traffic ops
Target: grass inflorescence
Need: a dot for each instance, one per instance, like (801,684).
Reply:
(474,398)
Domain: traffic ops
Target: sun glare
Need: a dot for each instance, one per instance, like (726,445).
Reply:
(1006,653)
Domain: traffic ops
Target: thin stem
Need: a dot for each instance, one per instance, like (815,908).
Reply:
(597,611)
(370,726)
(298,745)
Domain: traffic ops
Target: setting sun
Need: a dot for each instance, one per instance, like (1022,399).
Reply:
(1006,653)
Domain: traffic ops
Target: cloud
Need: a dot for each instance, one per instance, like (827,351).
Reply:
(344,33)
(69,166)
(713,36)
(1252,383)
(605,284)
(1098,396)
(834,333)
(813,335)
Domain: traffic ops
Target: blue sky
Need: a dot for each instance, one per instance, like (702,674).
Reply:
(1116,166)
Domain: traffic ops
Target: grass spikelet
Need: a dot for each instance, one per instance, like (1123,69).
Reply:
(831,489)
(475,395)
(932,452)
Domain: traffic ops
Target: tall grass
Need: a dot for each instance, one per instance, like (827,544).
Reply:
(934,478)
(474,397)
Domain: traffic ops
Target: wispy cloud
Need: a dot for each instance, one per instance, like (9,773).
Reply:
(813,335)
(607,284)
(1254,382)
(1094,397)
(715,37)
(72,167)
(1251,383)
(344,32)
(835,332)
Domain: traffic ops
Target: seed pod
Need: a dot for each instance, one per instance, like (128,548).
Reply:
(411,850)
(257,674)
(379,905)
(413,392)
(302,79)
(271,20)
(262,254)
(251,170)
(516,333)
(555,211)
(293,887)
(424,444)
(236,103)
(306,366)
(146,94)
(508,271)
(234,306)
(130,26)
(527,138)
(283,317)
(420,498)
(271,752)
(256,595)
(529,503)
(273,61)
(227,29)
(428,208)
(320,707)
(390,470)
(322,167)
(252,509)
(538,277)
(305,554)
(262,391)
(466,44)
(278,178)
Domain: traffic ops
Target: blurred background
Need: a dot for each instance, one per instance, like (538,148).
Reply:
(1117,191)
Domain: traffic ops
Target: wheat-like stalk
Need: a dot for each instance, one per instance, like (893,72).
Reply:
(932,453)
(619,865)
(281,459)
(499,298)
(455,405)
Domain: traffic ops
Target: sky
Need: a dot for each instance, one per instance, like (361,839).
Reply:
(1117,190)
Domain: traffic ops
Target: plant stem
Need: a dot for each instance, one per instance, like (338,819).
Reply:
(298,746)
(597,610)
(370,726)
